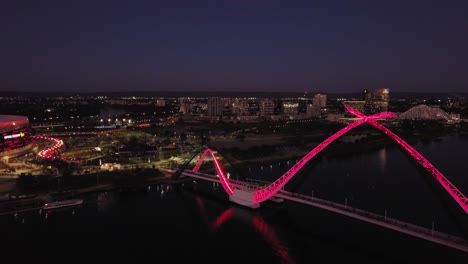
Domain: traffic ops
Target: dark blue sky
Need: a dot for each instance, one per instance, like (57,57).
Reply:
(328,46)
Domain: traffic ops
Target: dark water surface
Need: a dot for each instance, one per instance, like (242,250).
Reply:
(163,225)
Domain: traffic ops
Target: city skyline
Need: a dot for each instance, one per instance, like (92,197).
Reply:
(337,47)
(234,131)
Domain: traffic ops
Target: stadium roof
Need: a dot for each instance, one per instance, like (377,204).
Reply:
(12,122)
(425,112)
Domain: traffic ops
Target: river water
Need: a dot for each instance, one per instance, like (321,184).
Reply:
(165,225)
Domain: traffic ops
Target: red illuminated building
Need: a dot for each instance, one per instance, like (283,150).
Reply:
(14,133)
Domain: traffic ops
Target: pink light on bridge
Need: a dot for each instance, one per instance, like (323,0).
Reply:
(270,236)
(223,179)
(261,226)
(456,194)
(270,190)
(222,218)
(267,192)
(202,209)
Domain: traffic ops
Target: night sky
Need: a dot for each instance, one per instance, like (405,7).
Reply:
(315,46)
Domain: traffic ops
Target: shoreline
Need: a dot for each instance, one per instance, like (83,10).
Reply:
(30,201)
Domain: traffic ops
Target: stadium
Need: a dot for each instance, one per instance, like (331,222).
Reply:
(14,135)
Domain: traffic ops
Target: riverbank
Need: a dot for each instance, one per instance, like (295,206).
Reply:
(231,157)
(262,151)
(18,202)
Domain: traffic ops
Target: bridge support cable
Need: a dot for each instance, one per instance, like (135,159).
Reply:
(178,172)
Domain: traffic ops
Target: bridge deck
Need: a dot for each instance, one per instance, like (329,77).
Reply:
(373,218)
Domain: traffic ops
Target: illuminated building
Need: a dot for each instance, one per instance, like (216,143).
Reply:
(312,110)
(215,106)
(290,108)
(424,112)
(14,133)
(185,105)
(161,102)
(266,107)
(240,106)
(320,100)
(376,100)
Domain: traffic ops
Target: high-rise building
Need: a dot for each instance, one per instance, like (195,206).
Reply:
(240,106)
(376,100)
(320,100)
(312,110)
(253,107)
(215,106)
(290,108)
(184,105)
(267,107)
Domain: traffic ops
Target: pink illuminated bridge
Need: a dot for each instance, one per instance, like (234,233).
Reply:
(254,198)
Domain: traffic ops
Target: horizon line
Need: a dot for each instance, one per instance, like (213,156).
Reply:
(229,91)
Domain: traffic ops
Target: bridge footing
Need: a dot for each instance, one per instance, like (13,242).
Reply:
(244,198)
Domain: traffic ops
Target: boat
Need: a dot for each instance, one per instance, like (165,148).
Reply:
(61,204)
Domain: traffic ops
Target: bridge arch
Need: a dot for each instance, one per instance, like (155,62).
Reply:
(267,192)
(456,194)
(224,180)
(184,166)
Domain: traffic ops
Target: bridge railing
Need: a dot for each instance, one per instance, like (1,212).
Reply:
(363,213)
(378,217)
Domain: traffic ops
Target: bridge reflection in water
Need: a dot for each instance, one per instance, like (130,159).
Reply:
(343,209)
(258,223)
(252,195)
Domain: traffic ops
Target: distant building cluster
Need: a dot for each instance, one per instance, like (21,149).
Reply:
(70,114)
(253,109)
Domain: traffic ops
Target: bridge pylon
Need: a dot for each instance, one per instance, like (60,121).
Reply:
(244,197)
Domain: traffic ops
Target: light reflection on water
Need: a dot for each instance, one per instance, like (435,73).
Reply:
(159,212)
(104,201)
(207,222)
(384,179)
(246,217)
(382,159)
